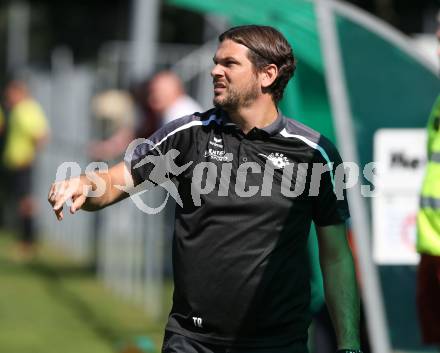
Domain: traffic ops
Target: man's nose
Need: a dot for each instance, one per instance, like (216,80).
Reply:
(216,71)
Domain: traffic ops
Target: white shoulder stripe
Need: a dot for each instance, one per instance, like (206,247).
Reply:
(213,117)
(316,147)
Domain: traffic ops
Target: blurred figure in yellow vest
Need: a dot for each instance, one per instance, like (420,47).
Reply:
(26,133)
(2,121)
(428,235)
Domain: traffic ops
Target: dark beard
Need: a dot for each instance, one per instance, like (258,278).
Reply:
(235,100)
(229,104)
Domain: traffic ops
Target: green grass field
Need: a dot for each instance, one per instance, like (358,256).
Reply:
(54,305)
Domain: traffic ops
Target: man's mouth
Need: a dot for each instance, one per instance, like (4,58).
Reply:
(218,85)
(219,88)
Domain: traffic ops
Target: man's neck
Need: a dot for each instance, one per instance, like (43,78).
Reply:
(259,114)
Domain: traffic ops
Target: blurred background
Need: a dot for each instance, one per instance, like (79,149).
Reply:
(81,79)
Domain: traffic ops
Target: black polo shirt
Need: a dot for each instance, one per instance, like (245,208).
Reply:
(240,260)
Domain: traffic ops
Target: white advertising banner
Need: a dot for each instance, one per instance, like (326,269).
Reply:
(400,155)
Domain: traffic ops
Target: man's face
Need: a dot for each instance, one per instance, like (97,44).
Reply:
(236,84)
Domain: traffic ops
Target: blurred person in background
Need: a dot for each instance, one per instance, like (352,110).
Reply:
(158,101)
(2,121)
(169,101)
(428,234)
(4,184)
(26,134)
(167,97)
(153,103)
(3,174)
(147,121)
(114,117)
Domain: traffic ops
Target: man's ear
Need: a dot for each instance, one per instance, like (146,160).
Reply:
(268,75)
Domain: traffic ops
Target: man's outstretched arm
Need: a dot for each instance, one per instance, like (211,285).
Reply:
(81,190)
(340,284)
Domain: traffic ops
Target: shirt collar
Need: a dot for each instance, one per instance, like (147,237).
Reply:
(275,127)
(272,129)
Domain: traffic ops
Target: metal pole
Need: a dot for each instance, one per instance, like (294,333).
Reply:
(143,45)
(17,36)
(143,48)
(373,301)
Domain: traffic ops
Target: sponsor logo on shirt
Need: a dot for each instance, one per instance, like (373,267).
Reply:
(216,151)
(277,159)
(217,142)
(218,155)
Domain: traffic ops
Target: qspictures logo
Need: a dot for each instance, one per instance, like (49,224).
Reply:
(214,175)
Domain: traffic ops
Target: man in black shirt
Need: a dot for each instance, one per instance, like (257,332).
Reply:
(248,183)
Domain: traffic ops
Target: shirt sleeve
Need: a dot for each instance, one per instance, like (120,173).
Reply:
(165,154)
(327,208)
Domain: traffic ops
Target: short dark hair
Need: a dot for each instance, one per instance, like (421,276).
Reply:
(266,46)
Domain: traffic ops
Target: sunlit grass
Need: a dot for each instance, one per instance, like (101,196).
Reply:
(56,305)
